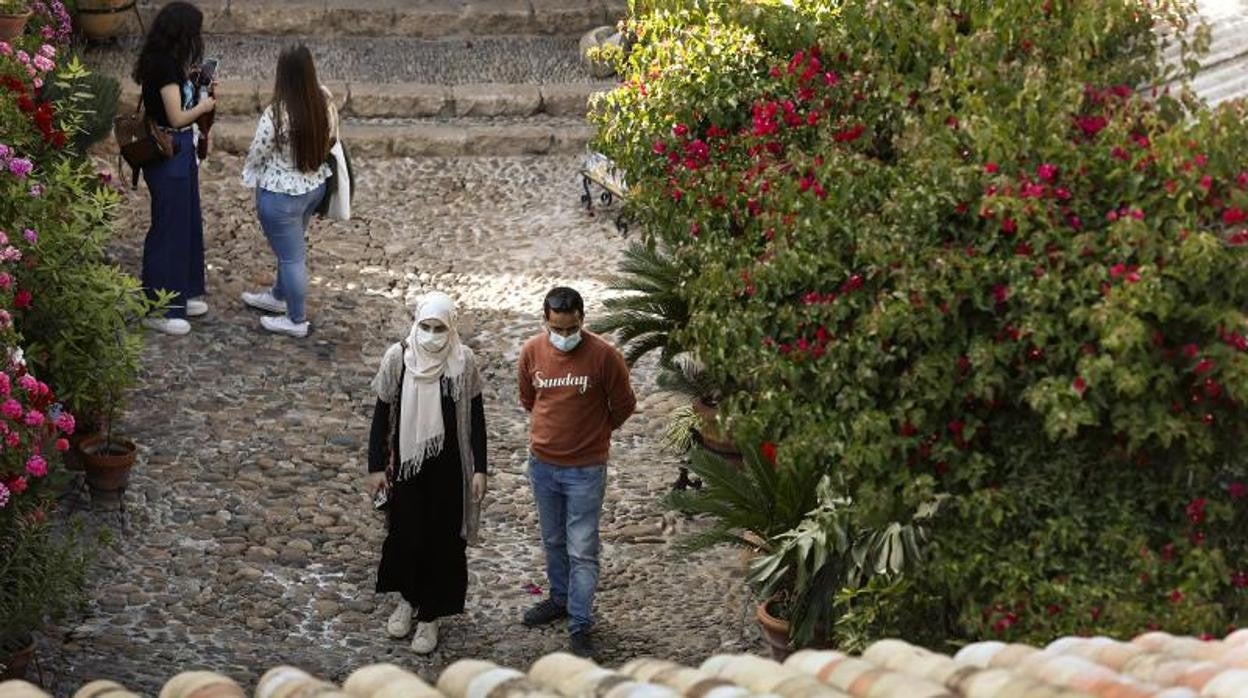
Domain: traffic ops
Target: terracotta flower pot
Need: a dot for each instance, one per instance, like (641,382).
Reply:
(775,632)
(11,25)
(14,662)
(107,463)
(711,436)
(103,19)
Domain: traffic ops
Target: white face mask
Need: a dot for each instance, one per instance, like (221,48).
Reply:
(565,344)
(432,342)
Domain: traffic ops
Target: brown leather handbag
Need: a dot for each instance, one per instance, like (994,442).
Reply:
(140,142)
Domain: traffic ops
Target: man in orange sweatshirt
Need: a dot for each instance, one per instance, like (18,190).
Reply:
(576,389)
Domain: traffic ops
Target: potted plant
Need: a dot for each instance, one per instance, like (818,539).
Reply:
(103,19)
(106,456)
(13,17)
(832,549)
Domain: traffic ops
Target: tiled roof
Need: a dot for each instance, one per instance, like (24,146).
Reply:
(1154,665)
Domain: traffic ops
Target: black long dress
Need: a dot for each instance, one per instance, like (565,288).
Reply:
(424,557)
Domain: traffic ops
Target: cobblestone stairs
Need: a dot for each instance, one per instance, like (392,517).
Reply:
(410,77)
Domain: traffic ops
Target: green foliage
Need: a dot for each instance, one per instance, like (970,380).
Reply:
(44,571)
(952,253)
(651,309)
(748,502)
(96,96)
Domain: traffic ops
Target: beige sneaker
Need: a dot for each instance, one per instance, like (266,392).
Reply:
(426,638)
(400,623)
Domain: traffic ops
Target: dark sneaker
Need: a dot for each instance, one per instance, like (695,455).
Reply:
(547,611)
(582,646)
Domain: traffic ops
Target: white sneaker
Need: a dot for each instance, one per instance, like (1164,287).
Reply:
(264,301)
(196,307)
(168,325)
(400,623)
(281,324)
(426,638)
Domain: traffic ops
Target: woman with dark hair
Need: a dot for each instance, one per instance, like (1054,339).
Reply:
(286,166)
(173,252)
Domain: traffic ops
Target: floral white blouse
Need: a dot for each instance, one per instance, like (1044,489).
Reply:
(270,165)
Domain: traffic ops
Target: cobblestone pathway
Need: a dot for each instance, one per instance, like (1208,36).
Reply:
(248,540)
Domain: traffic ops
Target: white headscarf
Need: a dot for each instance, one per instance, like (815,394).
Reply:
(421,430)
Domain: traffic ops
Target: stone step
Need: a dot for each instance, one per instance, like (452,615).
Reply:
(417,18)
(370,100)
(527,60)
(383,138)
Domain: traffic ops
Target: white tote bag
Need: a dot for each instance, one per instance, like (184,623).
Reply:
(338,199)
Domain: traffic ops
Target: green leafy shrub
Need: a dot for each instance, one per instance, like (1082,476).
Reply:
(945,250)
(96,96)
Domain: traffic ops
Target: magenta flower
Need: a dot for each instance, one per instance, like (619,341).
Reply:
(34,418)
(65,422)
(4,495)
(5,386)
(28,383)
(36,466)
(21,167)
(11,409)
(1046,172)
(13,439)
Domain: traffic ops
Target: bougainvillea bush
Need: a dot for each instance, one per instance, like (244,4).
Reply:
(955,248)
(53,220)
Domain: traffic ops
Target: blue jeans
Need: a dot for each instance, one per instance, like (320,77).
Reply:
(569,505)
(284,219)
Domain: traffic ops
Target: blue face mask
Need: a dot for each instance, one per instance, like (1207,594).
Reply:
(565,344)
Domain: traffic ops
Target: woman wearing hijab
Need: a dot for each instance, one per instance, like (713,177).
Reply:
(427,455)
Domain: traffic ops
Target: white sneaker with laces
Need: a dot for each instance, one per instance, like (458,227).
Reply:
(426,638)
(280,324)
(196,307)
(168,325)
(264,301)
(400,623)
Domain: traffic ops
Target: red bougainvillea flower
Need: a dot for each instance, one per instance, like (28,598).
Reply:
(22,299)
(1080,385)
(990,168)
(850,134)
(1195,511)
(1203,366)
(1176,596)
(768,451)
(1046,172)
(1233,216)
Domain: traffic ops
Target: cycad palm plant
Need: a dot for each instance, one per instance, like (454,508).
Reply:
(651,310)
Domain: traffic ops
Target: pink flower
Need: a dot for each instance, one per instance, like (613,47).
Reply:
(62,445)
(42,64)
(18,484)
(680,130)
(11,409)
(990,168)
(5,385)
(36,466)
(21,167)
(28,383)
(1206,182)
(22,299)
(13,439)
(47,50)
(4,490)
(1046,172)
(31,236)
(34,418)
(65,423)
(1117,270)
(1237,490)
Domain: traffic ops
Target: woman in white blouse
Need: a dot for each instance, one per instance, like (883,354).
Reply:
(286,166)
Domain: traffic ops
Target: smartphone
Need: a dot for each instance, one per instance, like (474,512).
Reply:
(207,71)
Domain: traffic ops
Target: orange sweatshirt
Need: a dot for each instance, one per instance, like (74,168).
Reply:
(575,399)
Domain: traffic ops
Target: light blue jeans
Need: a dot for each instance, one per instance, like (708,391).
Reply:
(569,506)
(284,219)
